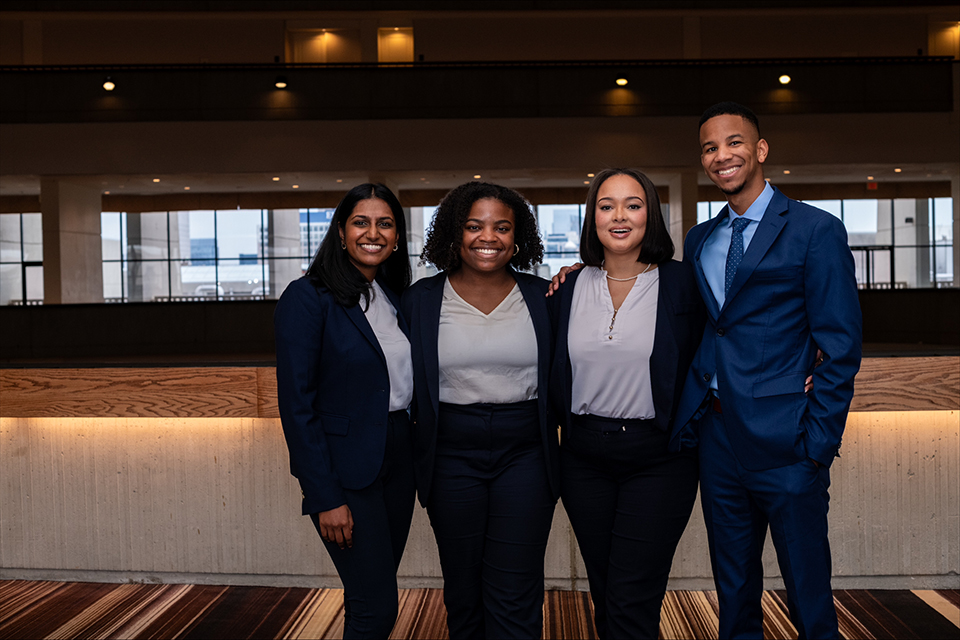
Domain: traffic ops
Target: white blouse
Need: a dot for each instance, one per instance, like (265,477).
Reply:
(382,317)
(610,357)
(486,357)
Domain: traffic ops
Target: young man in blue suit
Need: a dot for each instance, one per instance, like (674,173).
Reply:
(777,277)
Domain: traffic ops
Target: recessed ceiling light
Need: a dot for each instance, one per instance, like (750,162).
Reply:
(156,179)
(476,177)
(784,79)
(897,170)
(108,84)
(106,193)
(276,178)
(186,188)
(622,80)
(339,179)
(590,175)
(586,182)
(296,186)
(280,82)
(869,177)
(786,172)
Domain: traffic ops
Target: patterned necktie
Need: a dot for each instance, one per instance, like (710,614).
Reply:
(735,254)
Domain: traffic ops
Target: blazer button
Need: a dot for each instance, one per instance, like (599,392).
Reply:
(706,377)
(720,332)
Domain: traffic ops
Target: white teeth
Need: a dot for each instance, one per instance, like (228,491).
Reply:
(488,252)
(371,247)
(727,172)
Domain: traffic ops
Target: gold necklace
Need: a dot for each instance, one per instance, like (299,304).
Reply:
(613,320)
(610,277)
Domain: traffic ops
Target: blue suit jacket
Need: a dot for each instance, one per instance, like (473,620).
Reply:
(333,391)
(794,291)
(679,325)
(421,306)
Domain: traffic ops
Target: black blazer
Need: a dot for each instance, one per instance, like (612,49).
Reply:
(333,391)
(680,319)
(421,305)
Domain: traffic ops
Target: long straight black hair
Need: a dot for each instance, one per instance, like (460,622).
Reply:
(331,267)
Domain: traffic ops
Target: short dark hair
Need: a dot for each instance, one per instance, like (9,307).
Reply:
(731,109)
(331,268)
(657,246)
(445,235)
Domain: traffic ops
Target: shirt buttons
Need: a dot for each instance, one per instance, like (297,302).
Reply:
(706,377)
(609,337)
(720,332)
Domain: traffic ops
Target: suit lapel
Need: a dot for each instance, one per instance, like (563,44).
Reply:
(705,291)
(429,322)
(537,306)
(771,224)
(357,316)
(663,358)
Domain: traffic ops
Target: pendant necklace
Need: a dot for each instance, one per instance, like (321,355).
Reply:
(613,319)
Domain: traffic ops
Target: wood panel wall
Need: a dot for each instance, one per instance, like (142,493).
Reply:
(158,496)
(883,384)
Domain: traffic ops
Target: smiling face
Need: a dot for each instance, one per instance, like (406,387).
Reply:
(732,154)
(488,236)
(370,234)
(621,215)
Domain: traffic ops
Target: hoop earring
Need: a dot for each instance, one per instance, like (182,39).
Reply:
(516,249)
(343,245)
(396,246)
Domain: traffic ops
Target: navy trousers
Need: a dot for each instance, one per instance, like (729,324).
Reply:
(381,523)
(629,500)
(491,509)
(738,505)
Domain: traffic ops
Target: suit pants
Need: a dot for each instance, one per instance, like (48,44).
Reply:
(738,506)
(629,500)
(381,522)
(491,509)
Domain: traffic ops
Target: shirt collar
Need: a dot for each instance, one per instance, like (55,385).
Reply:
(756,210)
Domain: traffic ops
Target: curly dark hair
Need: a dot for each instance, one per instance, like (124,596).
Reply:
(445,235)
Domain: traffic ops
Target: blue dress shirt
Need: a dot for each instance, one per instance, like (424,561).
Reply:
(713,257)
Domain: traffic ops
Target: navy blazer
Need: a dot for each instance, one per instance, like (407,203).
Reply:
(794,291)
(679,325)
(421,306)
(333,391)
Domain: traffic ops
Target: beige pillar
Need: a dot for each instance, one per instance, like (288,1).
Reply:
(72,254)
(683,207)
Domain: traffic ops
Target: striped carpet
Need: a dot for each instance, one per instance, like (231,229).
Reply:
(91,610)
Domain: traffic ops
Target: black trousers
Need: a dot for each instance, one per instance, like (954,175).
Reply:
(629,500)
(381,523)
(491,509)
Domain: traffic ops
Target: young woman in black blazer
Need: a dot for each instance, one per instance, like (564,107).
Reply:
(628,326)
(344,382)
(486,451)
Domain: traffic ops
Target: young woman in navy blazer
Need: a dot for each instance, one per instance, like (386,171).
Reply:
(344,382)
(486,450)
(628,324)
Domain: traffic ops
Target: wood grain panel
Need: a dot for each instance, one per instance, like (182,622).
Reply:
(117,392)
(907,384)
(883,384)
(267,393)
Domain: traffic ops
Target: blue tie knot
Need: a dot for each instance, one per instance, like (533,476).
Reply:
(740,224)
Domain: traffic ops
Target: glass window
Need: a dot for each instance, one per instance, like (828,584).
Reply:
(560,226)
(860,217)
(832,206)
(709,210)
(21,258)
